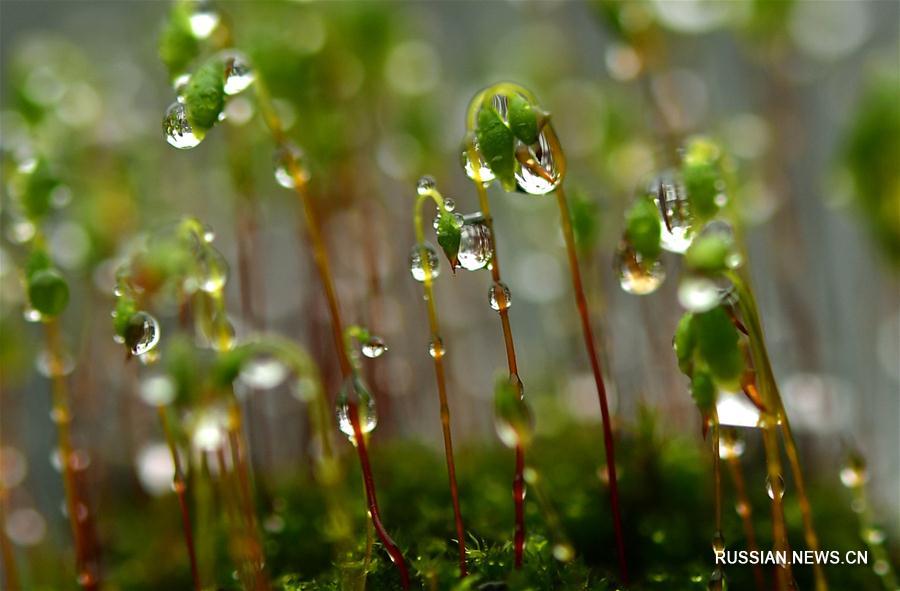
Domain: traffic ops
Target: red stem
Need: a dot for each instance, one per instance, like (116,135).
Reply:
(519,501)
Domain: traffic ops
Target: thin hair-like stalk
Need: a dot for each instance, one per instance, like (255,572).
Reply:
(744,509)
(320,257)
(437,355)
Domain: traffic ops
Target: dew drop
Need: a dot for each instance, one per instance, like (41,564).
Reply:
(881,567)
(485,174)
(177,128)
(449,204)
(289,158)
(355,392)
(499,296)
(436,348)
(676,231)
(155,468)
(263,373)
(212,270)
(718,542)
(238,73)
(636,276)
(142,333)
(476,248)
(157,390)
(210,431)
(698,293)
(731,446)
(425,185)
(373,347)
(204,20)
(541,155)
(770,490)
(25,527)
(416,266)
(32,315)
(49,366)
(874,536)
(854,473)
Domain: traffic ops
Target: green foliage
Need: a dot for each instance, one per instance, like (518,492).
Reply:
(204,96)
(38,190)
(717,345)
(709,253)
(496,143)
(684,343)
(871,156)
(584,214)
(177,45)
(642,227)
(449,233)
(522,119)
(703,391)
(38,260)
(701,171)
(48,292)
(126,308)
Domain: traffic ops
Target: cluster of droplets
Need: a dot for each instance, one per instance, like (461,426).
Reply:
(355,393)
(636,275)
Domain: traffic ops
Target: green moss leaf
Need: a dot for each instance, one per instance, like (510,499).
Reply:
(703,391)
(523,119)
(702,177)
(709,254)
(126,307)
(204,96)
(448,236)
(642,227)
(684,343)
(177,45)
(38,191)
(496,142)
(717,345)
(48,292)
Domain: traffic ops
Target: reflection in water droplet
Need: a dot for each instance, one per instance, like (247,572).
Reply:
(676,231)
(425,185)
(263,372)
(534,182)
(475,244)
(416,266)
(177,128)
(142,333)
(449,204)
(289,158)
(770,488)
(731,445)
(373,347)
(635,275)
(204,19)
(499,296)
(436,348)
(485,174)
(238,73)
(354,391)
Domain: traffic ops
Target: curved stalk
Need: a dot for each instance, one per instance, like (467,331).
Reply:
(87,574)
(320,257)
(518,479)
(438,359)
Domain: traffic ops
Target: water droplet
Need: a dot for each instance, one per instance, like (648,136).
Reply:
(157,390)
(21,231)
(716,580)
(449,204)
(485,174)
(742,509)
(874,536)
(208,234)
(416,266)
(699,293)
(854,474)
(289,158)
(263,372)
(881,567)
(731,446)
(499,296)
(563,552)
(770,489)
(718,542)
(142,333)
(425,185)
(373,347)
(436,348)
(49,366)
(476,248)
(238,73)
(210,430)
(541,155)
(355,392)
(635,275)
(177,128)
(676,231)
(155,468)
(211,271)
(204,19)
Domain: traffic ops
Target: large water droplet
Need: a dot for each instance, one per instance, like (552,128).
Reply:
(635,275)
(676,234)
(177,128)
(373,347)
(289,158)
(354,391)
(770,488)
(204,19)
(416,265)
(142,333)
(425,185)
(718,542)
(499,296)
(475,245)
(238,73)
(263,372)
(485,174)
(547,176)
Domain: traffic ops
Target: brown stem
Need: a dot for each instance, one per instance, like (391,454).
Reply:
(590,345)
(746,513)
(87,576)
(180,486)
(320,256)
(11,579)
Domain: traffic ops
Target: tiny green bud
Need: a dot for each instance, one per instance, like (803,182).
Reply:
(48,292)
(709,253)
(126,307)
(38,190)
(642,227)
(684,343)
(449,233)
(702,177)
(522,119)
(496,143)
(177,45)
(703,391)
(204,96)
(717,344)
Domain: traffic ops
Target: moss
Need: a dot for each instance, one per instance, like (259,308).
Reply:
(204,96)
